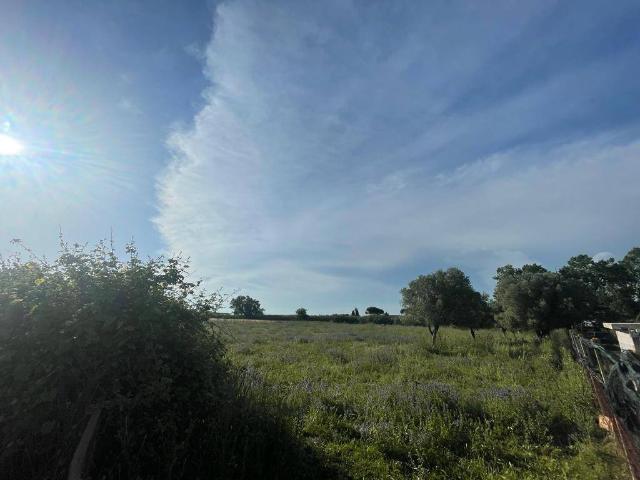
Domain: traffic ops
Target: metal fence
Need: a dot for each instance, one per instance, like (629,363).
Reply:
(615,378)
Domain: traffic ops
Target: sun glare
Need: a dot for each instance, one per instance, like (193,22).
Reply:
(10,146)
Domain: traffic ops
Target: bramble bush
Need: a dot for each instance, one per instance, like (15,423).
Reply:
(133,338)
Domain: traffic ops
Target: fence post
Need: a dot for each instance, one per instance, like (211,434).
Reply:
(595,351)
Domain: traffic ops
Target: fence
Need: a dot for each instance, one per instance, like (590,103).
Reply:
(615,378)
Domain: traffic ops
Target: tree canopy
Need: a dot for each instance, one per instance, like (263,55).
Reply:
(246,307)
(532,298)
(373,311)
(603,290)
(444,298)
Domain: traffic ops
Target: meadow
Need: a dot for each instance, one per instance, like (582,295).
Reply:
(380,401)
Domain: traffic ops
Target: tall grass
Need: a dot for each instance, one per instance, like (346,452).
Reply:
(385,403)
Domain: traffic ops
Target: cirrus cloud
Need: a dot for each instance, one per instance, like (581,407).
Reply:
(337,155)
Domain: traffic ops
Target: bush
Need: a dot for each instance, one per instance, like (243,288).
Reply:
(89,331)
(132,339)
(384,319)
(301,313)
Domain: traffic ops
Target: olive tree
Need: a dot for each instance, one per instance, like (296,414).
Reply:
(444,297)
(604,290)
(533,298)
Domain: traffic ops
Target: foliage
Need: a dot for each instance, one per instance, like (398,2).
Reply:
(301,313)
(444,298)
(532,298)
(632,263)
(379,319)
(584,289)
(605,290)
(334,317)
(385,403)
(373,311)
(246,307)
(134,339)
(486,312)
(90,330)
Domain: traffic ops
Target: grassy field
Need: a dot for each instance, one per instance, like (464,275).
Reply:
(380,402)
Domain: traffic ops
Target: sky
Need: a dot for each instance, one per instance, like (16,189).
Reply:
(323,154)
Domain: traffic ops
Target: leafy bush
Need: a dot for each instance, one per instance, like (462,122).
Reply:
(380,319)
(133,339)
(90,331)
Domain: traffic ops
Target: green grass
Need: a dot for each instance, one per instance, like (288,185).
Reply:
(380,401)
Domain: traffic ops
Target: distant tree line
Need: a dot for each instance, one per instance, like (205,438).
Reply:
(525,298)
(246,307)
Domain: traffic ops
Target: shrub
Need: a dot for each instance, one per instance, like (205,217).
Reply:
(132,339)
(384,319)
(89,330)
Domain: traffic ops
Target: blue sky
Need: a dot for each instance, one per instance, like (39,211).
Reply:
(323,154)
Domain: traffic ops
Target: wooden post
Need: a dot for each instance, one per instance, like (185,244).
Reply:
(76,469)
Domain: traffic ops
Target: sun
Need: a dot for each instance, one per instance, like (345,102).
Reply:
(9,146)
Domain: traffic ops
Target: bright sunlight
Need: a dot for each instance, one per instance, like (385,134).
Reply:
(10,146)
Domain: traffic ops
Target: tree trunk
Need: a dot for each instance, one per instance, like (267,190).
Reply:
(434,334)
(473,333)
(504,331)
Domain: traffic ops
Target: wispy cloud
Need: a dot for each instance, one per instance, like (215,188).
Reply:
(129,106)
(338,154)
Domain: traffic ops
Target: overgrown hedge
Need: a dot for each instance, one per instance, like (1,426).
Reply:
(132,338)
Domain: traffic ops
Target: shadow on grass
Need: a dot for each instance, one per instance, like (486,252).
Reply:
(248,435)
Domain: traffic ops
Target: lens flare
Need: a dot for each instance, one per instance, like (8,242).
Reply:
(9,146)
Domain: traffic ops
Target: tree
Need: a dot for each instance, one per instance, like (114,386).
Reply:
(301,313)
(631,261)
(602,290)
(373,311)
(478,311)
(486,308)
(246,307)
(442,298)
(532,298)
